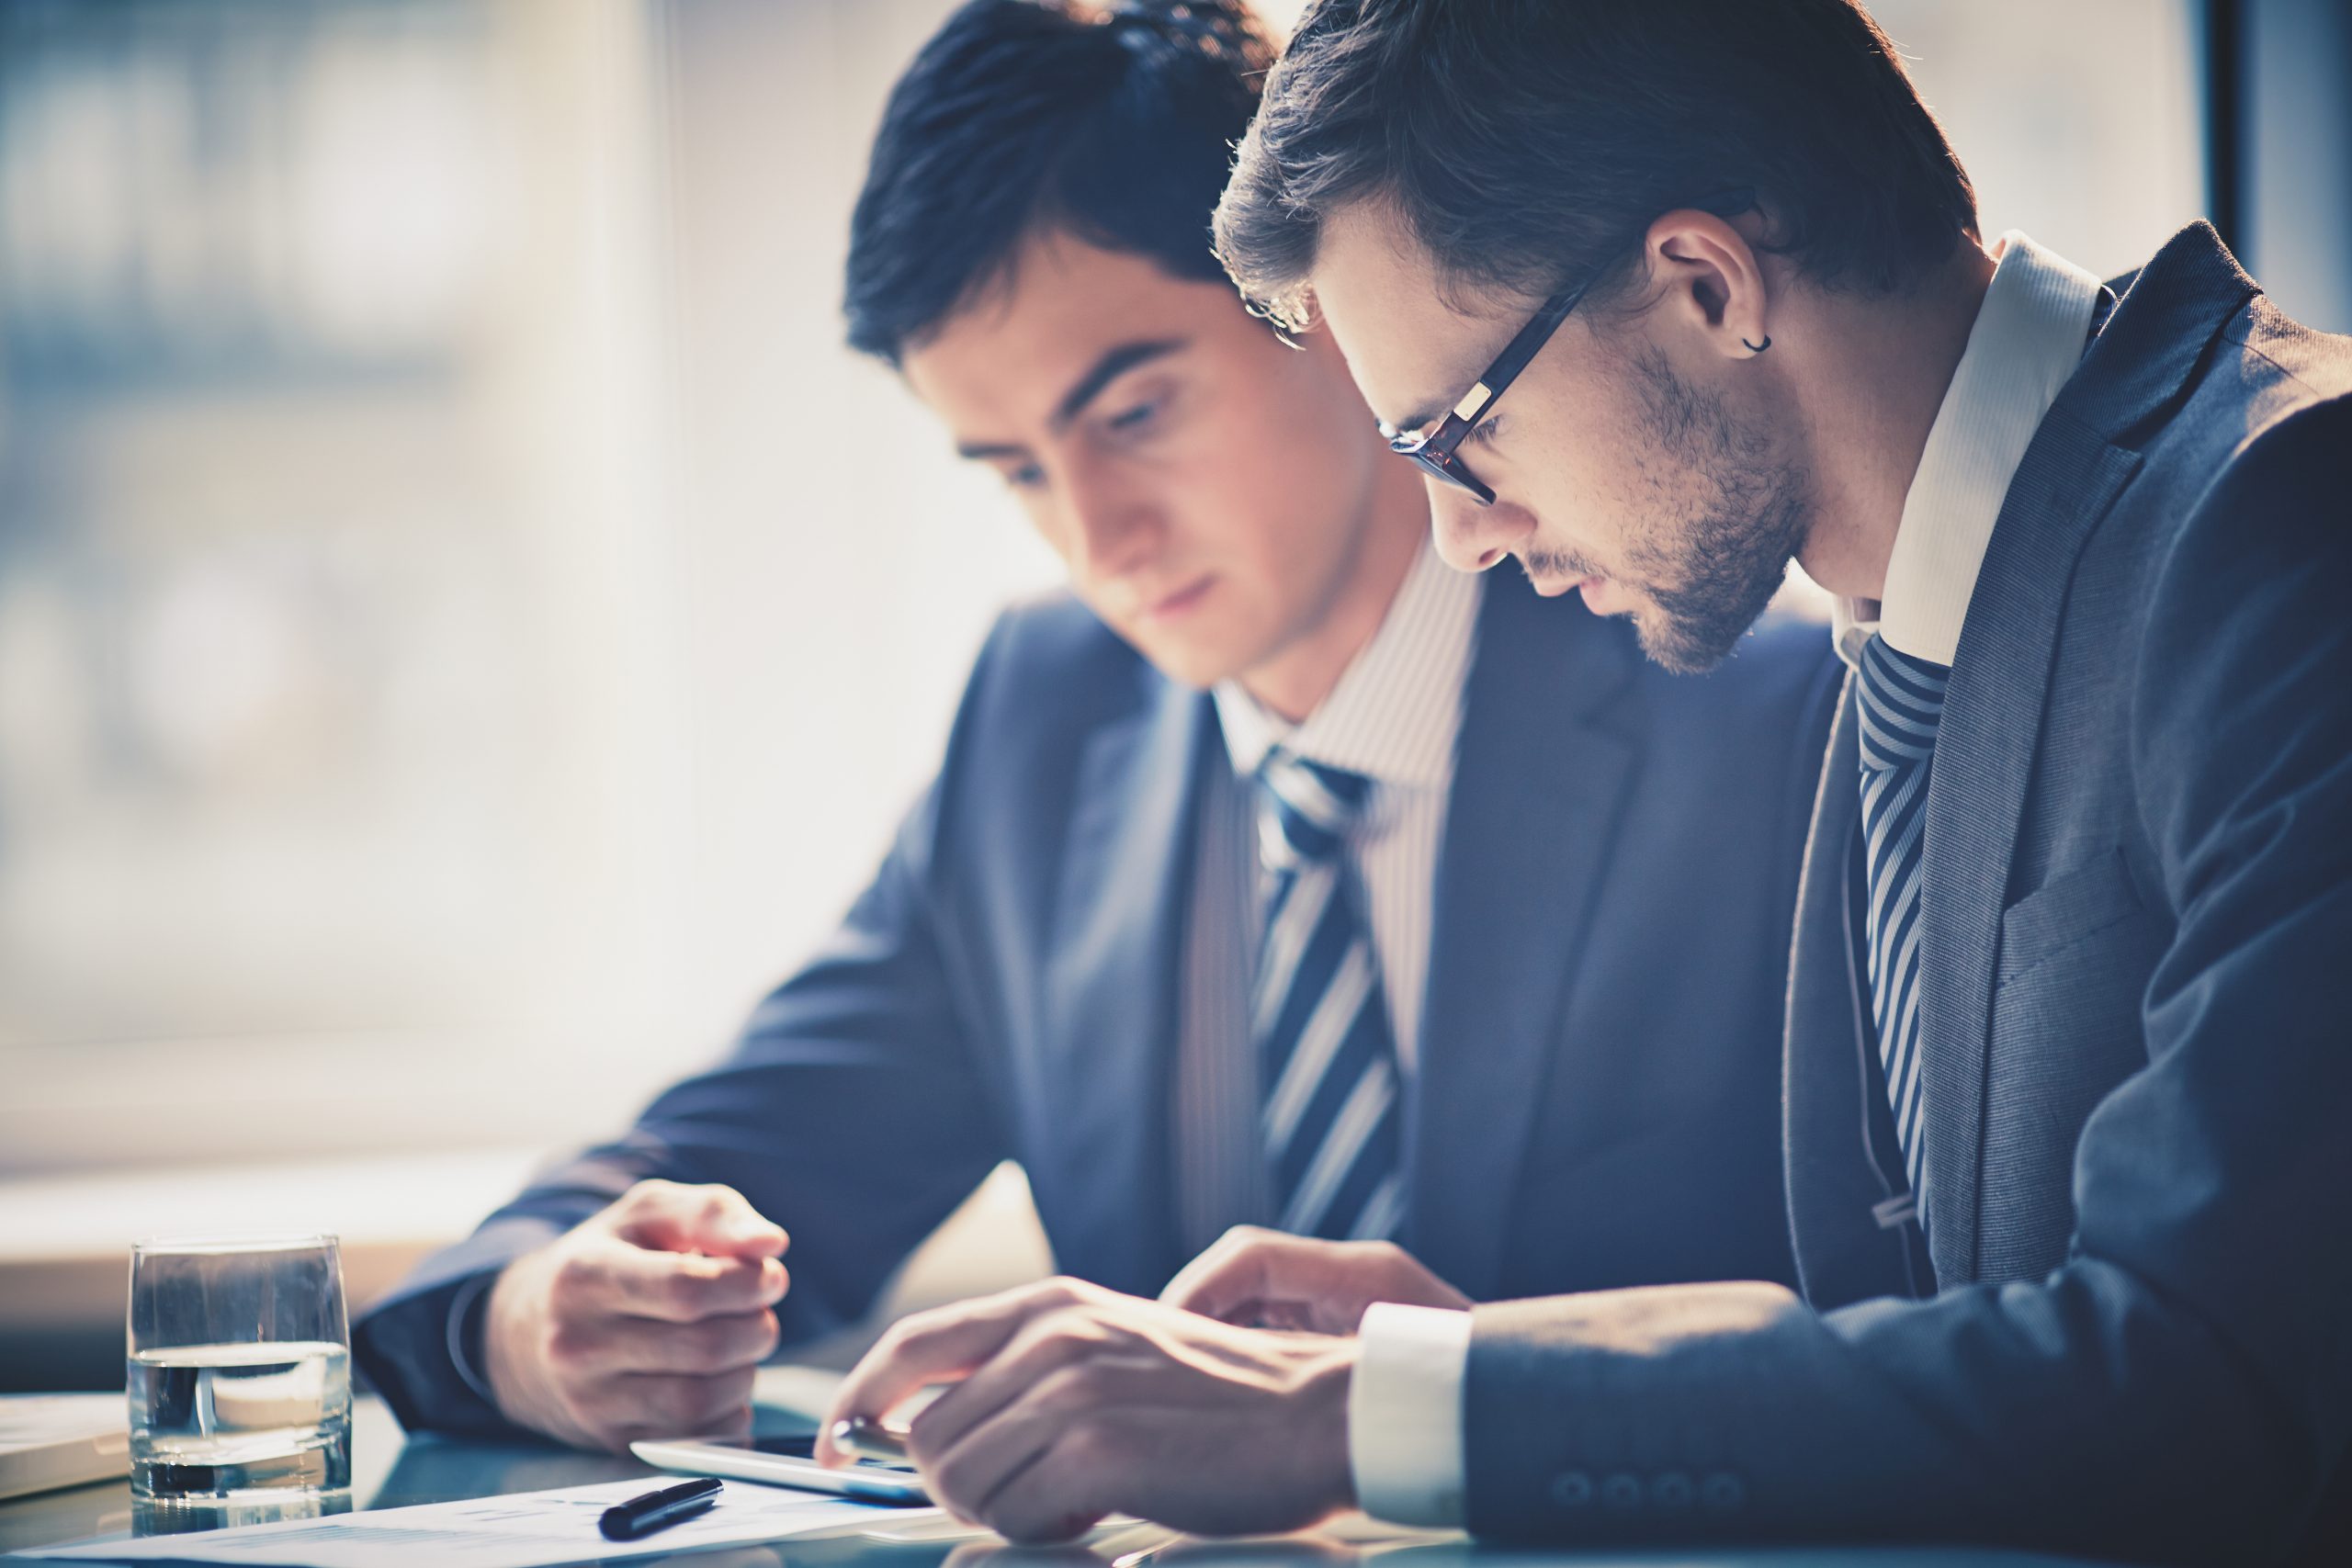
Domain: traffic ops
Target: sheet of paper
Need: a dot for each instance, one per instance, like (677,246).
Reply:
(528,1529)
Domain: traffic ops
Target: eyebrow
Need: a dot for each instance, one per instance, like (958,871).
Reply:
(1419,419)
(1422,418)
(1113,364)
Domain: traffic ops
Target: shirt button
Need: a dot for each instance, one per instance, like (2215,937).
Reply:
(1621,1492)
(1572,1489)
(1673,1490)
(1722,1492)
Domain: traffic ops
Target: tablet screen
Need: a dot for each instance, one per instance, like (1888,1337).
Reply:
(803,1446)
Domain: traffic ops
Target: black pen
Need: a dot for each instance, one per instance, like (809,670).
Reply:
(643,1516)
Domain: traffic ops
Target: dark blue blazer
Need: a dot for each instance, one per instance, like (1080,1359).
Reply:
(2136,908)
(1597,1097)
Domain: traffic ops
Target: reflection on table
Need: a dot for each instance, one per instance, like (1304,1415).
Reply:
(391,1470)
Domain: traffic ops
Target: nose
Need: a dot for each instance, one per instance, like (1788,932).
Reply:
(1111,527)
(1472,535)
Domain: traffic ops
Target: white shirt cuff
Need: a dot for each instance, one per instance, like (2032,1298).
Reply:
(1404,1413)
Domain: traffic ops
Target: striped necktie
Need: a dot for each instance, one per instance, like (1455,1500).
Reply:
(1901,702)
(1327,1062)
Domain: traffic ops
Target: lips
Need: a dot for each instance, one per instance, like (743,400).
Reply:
(1177,602)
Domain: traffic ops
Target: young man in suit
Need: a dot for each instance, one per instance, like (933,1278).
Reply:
(1659,296)
(1275,874)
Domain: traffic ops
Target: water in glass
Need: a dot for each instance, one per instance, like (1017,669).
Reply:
(239,1370)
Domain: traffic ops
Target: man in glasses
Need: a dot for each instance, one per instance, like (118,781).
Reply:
(1660,296)
(1276,874)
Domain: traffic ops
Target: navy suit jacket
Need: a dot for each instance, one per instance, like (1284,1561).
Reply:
(2136,908)
(1596,1102)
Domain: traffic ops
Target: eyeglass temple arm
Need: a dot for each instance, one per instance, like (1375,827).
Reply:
(1545,322)
(1517,353)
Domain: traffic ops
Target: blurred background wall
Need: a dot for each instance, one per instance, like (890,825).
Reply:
(467,625)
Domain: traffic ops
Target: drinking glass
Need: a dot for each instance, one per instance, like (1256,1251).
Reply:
(240,1370)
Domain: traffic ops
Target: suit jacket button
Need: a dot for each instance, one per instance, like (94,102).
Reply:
(1621,1492)
(1572,1489)
(1722,1492)
(1673,1490)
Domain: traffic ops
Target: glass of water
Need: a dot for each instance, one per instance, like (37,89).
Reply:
(240,1370)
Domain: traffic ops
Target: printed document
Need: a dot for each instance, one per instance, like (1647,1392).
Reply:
(528,1529)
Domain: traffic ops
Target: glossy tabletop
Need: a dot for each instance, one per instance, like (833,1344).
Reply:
(391,1471)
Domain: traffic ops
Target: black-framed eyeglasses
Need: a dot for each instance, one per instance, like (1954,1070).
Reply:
(1433,450)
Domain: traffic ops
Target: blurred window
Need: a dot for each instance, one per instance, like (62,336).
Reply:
(435,695)
(320,460)
(379,753)
(2081,123)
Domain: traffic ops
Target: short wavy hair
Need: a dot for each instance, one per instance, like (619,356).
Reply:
(1113,122)
(1527,142)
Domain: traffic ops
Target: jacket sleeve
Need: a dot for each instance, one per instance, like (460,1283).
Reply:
(2180,1389)
(854,1110)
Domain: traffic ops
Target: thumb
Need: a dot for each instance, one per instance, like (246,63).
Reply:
(713,1219)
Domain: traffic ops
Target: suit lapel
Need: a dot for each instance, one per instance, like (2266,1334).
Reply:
(1538,781)
(1976,794)
(2000,684)
(1120,912)
(1985,753)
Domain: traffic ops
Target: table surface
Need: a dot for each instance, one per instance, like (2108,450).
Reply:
(389,1471)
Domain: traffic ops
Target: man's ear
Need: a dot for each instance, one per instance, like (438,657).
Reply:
(1715,285)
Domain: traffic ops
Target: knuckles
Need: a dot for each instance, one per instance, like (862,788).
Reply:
(1066,1389)
(1061,1291)
(1060,1323)
(694,1288)
(682,1294)
(659,1195)
(566,1348)
(722,1345)
(653,1192)
(1060,1342)
(572,1277)
(895,1339)
(1245,1245)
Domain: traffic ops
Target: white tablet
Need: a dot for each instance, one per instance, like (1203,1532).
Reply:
(785,1461)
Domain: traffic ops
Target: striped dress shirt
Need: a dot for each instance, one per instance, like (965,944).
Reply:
(1393,716)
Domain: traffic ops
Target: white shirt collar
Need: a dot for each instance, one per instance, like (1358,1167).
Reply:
(2026,340)
(1396,710)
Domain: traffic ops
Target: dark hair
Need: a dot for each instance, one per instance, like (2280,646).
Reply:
(1116,125)
(1528,142)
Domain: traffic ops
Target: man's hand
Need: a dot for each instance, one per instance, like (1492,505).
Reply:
(646,1320)
(1072,1402)
(1267,1279)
